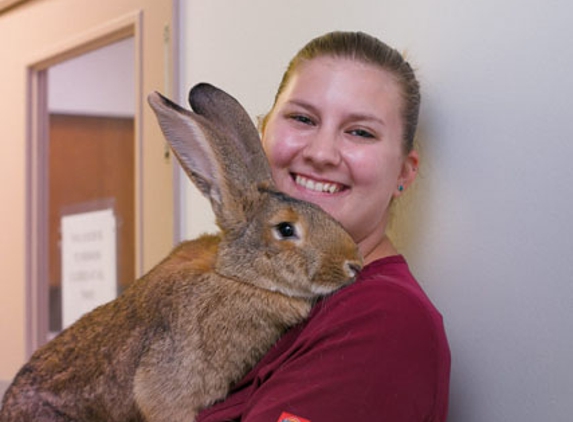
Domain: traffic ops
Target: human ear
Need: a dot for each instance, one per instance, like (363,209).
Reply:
(408,172)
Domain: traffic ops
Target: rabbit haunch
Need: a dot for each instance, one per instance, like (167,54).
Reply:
(178,338)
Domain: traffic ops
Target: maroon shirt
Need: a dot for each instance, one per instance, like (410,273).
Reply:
(374,351)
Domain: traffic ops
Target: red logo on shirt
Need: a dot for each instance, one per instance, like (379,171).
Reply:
(287,417)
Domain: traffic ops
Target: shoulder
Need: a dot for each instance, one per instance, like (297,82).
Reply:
(385,300)
(384,321)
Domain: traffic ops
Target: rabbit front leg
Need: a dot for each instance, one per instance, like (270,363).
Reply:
(159,400)
(165,387)
(175,379)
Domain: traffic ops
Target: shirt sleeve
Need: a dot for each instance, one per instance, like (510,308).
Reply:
(370,355)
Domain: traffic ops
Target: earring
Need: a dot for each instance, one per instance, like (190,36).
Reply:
(401,188)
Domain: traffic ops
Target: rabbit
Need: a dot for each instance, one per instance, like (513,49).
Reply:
(177,339)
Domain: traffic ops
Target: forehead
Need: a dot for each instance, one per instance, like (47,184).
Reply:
(330,80)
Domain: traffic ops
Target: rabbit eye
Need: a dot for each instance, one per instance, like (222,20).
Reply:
(286,231)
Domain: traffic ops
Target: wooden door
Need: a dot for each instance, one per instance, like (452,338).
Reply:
(91,167)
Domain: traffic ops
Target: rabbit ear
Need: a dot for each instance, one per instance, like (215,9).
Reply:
(219,151)
(227,114)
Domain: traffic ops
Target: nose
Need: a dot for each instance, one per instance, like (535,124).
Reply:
(352,268)
(322,149)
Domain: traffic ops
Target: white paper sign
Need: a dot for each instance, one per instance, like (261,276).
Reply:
(89,262)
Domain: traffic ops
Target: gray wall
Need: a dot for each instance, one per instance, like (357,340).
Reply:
(488,230)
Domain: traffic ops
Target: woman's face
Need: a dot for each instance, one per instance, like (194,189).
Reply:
(334,138)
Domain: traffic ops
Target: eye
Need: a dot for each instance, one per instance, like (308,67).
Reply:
(361,133)
(285,230)
(301,118)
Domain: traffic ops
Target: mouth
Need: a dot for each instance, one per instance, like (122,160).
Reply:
(317,185)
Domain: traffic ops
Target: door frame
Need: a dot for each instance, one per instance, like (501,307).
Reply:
(37,143)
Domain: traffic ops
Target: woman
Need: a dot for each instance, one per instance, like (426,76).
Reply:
(340,135)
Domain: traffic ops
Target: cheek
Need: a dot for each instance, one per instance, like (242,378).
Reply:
(365,164)
(277,155)
(375,171)
(279,147)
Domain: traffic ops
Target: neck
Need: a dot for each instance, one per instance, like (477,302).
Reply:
(381,249)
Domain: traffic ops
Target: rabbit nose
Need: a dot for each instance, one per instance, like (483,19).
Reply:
(352,268)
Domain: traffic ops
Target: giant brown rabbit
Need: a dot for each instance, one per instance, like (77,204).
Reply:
(178,338)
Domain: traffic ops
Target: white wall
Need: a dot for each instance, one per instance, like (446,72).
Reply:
(488,230)
(100,82)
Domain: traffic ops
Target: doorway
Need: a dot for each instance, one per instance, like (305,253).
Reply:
(91,169)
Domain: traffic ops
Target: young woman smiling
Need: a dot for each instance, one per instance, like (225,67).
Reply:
(341,135)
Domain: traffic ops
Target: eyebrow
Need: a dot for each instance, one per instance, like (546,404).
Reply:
(367,117)
(350,116)
(303,104)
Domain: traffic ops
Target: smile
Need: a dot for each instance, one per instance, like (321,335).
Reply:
(316,186)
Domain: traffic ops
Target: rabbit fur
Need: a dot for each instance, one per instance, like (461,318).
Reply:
(179,337)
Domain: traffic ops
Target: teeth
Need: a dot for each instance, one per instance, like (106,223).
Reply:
(317,186)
